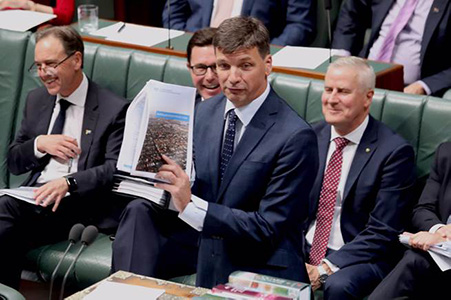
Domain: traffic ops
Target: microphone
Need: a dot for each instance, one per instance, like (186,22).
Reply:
(169,27)
(74,237)
(88,236)
(328,7)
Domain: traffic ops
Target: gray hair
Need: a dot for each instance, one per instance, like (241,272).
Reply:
(365,72)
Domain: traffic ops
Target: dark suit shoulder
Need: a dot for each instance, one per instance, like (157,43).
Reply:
(389,137)
(107,97)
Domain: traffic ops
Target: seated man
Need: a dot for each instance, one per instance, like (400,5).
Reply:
(69,139)
(360,200)
(202,63)
(255,158)
(412,33)
(417,276)
(290,22)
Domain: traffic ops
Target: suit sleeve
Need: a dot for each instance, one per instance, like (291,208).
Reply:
(180,12)
(353,20)
(426,213)
(64,11)
(21,158)
(439,83)
(284,203)
(101,176)
(300,24)
(389,215)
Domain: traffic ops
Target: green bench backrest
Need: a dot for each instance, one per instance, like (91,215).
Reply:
(421,120)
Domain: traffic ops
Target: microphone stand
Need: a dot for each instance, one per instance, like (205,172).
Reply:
(328,7)
(169,27)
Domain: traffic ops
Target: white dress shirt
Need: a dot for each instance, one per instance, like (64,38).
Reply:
(72,127)
(236,10)
(336,239)
(196,211)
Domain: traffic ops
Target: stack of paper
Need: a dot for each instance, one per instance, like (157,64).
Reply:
(22,20)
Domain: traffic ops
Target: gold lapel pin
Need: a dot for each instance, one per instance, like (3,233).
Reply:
(367,150)
(436,9)
(88,131)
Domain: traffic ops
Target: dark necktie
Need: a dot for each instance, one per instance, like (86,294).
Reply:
(327,199)
(61,118)
(229,140)
(57,129)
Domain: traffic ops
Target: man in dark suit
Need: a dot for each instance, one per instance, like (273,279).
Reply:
(360,200)
(255,160)
(69,139)
(202,63)
(417,276)
(290,22)
(421,46)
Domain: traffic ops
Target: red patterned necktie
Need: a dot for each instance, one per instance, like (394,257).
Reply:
(327,199)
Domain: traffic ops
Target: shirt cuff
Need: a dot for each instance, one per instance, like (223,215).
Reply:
(341,52)
(332,267)
(425,87)
(195,212)
(37,153)
(435,228)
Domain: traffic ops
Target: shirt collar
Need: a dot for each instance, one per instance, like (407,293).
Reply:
(354,136)
(78,97)
(247,112)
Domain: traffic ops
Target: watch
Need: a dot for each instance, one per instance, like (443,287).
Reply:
(322,274)
(71,183)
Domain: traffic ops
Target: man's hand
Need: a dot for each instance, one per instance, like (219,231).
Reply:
(313,275)
(445,232)
(415,88)
(424,240)
(61,146)
(51,192)
(179,186)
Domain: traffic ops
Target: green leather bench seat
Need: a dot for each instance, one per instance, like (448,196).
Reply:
(424,121)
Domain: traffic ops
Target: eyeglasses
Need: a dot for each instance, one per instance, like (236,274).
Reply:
(50,67)
(202,69)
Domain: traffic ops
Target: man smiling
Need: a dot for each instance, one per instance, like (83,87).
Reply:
(255,159)
(202,63)
(359,203)
(69,139)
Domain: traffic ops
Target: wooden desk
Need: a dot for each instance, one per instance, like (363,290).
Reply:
(388,76)
(173,291)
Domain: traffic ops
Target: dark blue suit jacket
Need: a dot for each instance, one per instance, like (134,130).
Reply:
(290,22)
(358,15)
(255,216)
(375,207)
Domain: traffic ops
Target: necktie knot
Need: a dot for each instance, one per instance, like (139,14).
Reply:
(64,104)
(341,143)
(232,118)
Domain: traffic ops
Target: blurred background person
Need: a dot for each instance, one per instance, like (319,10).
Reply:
(63,9)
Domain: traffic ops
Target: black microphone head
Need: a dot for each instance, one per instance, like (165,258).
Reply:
(328,4)
(75,232)
(89,235)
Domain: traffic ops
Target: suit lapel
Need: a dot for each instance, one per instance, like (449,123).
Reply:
(214,136)
(262,121)
(366,148)
(435,15)
(90,118)
(206,15)
(45,114)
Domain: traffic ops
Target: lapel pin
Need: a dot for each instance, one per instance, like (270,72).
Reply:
(436,9)
(367,150)
(87,131)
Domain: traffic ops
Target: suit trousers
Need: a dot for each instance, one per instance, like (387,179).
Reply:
(416,276)
(154,242)
(24,226)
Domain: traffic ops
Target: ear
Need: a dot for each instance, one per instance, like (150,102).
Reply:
(188,66)
(268,64)
(78,60)
(369,98)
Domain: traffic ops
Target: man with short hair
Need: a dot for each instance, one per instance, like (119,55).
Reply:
(360,198)
(255,159)
(202,63)
(69,139)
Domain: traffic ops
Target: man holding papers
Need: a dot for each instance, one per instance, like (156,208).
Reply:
(417,276)
(255,162)
(69,140)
